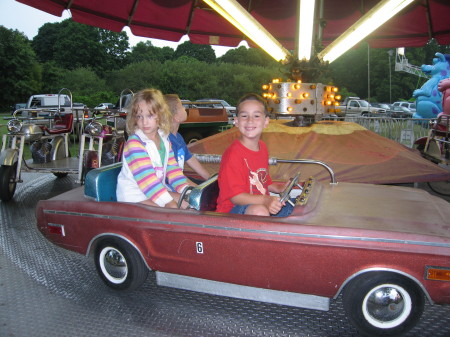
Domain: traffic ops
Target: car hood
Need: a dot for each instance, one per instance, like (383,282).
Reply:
(378,208)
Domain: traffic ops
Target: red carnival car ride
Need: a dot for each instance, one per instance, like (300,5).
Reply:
(386,249)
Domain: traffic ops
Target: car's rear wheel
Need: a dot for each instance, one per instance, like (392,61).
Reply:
(119,265)
(383,304)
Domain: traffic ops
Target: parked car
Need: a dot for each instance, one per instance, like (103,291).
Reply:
(410,105)
(217,103)
(386,249)
(354,107)
(384,106)
(104,106)
(400,112)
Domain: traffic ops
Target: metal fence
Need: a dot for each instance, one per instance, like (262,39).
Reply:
(402,130)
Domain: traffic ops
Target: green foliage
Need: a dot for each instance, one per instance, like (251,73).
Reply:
(83,81)
(43,42)
(73,45)
(51,78)
(145,51)
(192,79)
(345,93)
(19,68)
(96,65)
(135,76)
(86,87)
(200,52)
(249,56)
(95,98)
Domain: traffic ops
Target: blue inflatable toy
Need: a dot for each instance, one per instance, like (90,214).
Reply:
(428,97)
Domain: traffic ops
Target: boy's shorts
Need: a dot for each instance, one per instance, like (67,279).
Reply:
(286,210)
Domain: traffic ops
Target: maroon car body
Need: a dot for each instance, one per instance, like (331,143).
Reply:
(359,239)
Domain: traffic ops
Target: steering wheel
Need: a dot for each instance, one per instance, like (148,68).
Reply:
(285,194)
(184,195)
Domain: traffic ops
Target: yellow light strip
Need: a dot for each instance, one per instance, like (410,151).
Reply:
(234,13)
(373,19)
(305,28)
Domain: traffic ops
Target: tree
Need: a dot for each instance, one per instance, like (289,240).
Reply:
(200,52)
(73,45)
(166,54)
(145,51)
(350,70)
(192,79)
(83,81)
(21,72)
(136,76)
(250,56)
(44,42)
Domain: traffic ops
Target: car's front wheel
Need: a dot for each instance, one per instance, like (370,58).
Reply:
(119,265)
(7,182)
(383,304)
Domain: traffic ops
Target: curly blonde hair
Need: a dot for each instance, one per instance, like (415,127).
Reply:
(156,106)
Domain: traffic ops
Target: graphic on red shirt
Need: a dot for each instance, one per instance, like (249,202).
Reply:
(257,179)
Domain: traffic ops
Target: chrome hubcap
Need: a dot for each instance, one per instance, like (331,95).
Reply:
(387,306)
(113,265)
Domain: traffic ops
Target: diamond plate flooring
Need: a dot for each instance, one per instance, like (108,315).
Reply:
(48,291)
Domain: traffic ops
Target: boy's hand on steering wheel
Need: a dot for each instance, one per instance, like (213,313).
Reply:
(274,205)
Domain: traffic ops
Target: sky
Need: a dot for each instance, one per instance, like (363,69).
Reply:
(28,20)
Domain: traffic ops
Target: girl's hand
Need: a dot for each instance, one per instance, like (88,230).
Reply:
(171,204)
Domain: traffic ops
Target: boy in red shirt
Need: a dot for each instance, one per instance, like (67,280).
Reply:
(244,178)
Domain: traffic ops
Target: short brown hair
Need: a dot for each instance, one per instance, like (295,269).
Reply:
(252,97)
(172,102)
(156,106)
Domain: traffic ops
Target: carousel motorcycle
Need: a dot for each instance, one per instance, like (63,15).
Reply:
(49,147)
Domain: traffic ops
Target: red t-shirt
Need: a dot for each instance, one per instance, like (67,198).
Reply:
(242,171)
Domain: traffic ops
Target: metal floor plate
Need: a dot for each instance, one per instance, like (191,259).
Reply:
(48,291)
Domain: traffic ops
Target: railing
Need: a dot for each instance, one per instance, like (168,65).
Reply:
(402,130)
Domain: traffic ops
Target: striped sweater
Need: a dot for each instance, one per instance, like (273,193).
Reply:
(143,175)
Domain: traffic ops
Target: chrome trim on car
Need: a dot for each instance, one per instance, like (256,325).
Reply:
(244,292)
(368,270)
(304,235)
